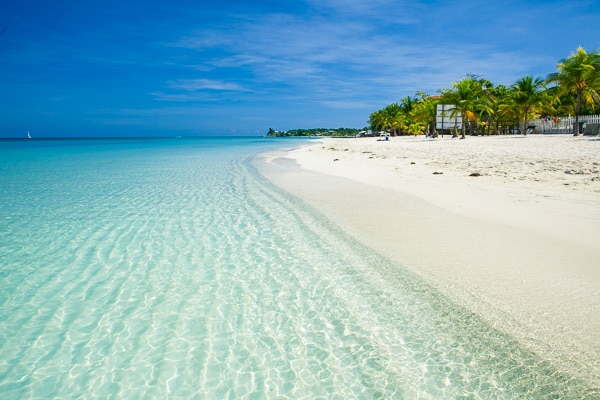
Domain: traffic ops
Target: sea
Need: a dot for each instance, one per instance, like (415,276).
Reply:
(169,268)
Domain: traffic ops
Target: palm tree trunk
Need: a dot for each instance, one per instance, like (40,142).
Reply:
(577,111)
(526,121)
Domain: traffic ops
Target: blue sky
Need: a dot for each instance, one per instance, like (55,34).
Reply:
(238,67)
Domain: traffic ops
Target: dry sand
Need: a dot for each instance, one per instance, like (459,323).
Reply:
(518,243)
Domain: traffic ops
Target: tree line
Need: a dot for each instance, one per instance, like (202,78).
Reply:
(486,108)
(315,132)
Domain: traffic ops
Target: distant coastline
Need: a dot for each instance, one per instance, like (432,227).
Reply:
(312,132)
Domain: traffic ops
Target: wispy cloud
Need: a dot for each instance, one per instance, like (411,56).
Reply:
(345,105)
(193,85)
(338,58)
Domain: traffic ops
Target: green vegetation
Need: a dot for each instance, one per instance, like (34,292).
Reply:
(486,108)
(315,132)
(489,109)
(579,76)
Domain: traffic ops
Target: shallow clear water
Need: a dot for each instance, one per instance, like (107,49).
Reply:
(169,268)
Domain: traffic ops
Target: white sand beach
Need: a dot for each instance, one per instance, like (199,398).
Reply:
(507,226)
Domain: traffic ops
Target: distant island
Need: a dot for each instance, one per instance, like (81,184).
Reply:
(339,132)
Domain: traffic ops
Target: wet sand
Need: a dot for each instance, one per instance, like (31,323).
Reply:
(508,226)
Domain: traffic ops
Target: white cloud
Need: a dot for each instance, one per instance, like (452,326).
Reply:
(345,52)
(192,85)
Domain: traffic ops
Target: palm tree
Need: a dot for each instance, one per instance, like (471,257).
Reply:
(391,117)
(457,96)
(415,128)
(528,94)
(579,74)
(468,96)
(396,119)
(377,120)
(424,111)
(407,104)
(497,109)
(483,103)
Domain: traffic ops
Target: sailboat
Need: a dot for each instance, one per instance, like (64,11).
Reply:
(28,135)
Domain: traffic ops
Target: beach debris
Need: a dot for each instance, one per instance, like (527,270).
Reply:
(475,174)
(582,171)
(336,159)
(412,162)
(438,173)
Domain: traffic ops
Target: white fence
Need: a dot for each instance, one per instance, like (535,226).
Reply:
(562,124)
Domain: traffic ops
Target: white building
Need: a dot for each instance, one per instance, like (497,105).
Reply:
(445,119)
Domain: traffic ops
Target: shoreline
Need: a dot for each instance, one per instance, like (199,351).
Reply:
(515,244)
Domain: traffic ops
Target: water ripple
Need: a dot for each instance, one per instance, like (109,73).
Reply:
(181,273)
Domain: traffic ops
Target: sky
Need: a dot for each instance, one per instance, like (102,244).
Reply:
(239,67)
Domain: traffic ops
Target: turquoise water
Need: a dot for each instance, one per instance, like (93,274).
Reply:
(168,268)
